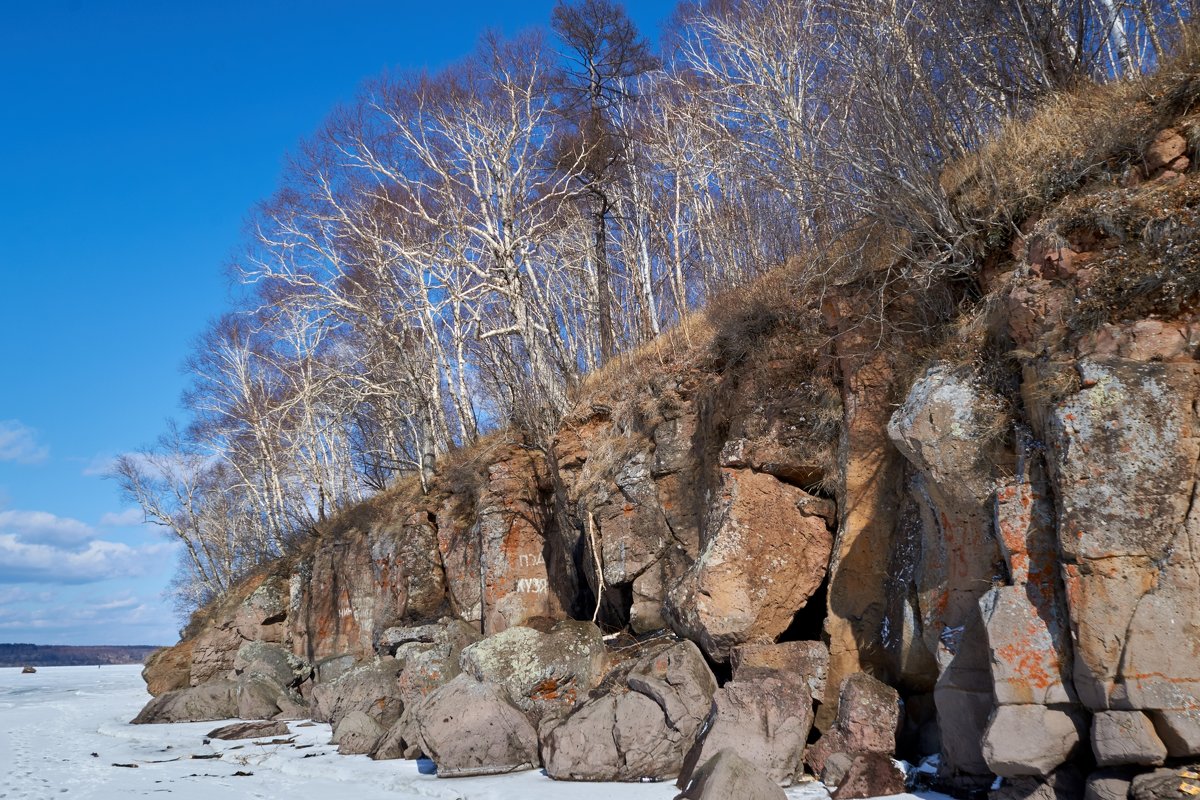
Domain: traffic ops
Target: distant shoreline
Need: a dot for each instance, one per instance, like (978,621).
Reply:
(65,655)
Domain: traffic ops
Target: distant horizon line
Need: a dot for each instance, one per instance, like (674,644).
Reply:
(79,646)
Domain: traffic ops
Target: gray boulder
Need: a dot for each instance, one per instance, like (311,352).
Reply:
(430,655)
(1062,784)
(400,740)
(249,730)
(392,638)
(1126,737)
(433,663)
(1031,740)
(356,734)
(541,672)
(767,721)
(271,661)
(727,775)
(639,724)
(371,688)
(808,661)
(835,769)
(1179,731)
(328,670)
(1108,784)
(259,697)
(469,728)
(1163,784)
(208,701)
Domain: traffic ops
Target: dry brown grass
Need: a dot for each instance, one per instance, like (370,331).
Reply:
(1093,133)
(1151,266)
(1051,382)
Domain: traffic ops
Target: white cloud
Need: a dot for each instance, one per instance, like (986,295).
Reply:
(113,605)
(18,442)
(99,466)
(123,519)
(42,527)
(10,595)
(22,562)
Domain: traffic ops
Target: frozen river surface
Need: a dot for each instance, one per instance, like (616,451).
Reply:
(64,732)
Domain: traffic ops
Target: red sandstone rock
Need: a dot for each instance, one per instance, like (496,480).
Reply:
(869,775)
(868,719)
(757,520)
(1167,146)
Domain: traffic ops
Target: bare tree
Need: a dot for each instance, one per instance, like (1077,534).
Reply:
(604,56)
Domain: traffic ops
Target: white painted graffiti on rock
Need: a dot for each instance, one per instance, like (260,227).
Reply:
(532,585)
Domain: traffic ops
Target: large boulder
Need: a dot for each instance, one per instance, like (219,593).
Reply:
(946,429)
(806,660)
(639,724)
(1065,783)
(209,701)
(330,668)
(430,655)
(469,728)
(1165,784)
(868,775)
(271,661)
(259,697)
(754,519)
(1029,645)
(1032,740)
(393,638)
(356,733)
(400,740)
(541,672)
(767,721)
(371,688)
(261,616)
(1179,731)
(727,775)
(766,712)
(1108,784)
(432,660)
(1126,737)
(867,721)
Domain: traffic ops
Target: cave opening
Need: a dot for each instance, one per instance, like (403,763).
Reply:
(615,607)
(808,624)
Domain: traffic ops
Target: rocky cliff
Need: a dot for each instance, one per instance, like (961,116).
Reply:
(804,526)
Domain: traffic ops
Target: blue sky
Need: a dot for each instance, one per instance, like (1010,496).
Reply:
(135,139)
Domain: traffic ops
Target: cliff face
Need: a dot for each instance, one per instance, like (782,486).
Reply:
(1010,539)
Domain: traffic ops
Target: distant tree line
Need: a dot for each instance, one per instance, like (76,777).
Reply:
(451,252)
(63,655)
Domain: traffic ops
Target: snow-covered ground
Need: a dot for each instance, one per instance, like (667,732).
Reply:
(65,731)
